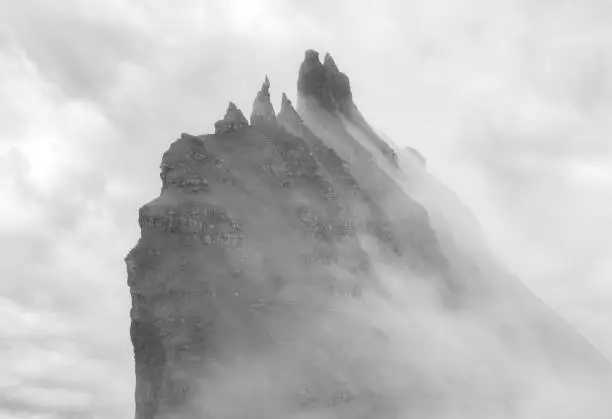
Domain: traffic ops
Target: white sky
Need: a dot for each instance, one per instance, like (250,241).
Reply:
(509,101)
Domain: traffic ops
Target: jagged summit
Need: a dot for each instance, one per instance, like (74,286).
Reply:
(288,116)
(263,111)
(233,120)
(262,236)
(329,63)
(328,87)
(325,82)
(312,56)
(285,101)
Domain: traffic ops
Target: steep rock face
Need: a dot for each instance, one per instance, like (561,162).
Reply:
(263,111)
(417,241)
(471,273)
(324,81)
(205,279)
(262,263)
(375,166)
(216,264)
(373,219)
(288,116)
(331,89)
(232,121)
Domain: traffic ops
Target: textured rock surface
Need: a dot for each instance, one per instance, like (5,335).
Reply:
(288,114)
(204,277)
(331,89)
(263,111)
(233,120)
(324,81)
(263,234)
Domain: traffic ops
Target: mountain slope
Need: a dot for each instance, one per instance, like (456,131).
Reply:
(335,118)
(295,265)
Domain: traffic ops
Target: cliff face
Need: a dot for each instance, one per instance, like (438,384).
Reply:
(260,276)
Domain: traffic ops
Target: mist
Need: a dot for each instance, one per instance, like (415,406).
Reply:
(395,351)
(509,104)
(339,344)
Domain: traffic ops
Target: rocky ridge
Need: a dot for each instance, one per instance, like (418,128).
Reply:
(260,228)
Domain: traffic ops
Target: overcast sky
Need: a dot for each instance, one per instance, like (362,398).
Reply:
(509,101)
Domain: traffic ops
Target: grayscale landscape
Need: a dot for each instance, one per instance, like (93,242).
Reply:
(273,209)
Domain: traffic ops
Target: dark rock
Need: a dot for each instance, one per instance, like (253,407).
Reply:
(330,64)
(328,85)
(257,233)
(312,80)
(263,111)
(234,120)
(311,55)
(288,116)
(331,89)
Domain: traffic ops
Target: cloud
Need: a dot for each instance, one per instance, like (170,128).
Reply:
(508,102)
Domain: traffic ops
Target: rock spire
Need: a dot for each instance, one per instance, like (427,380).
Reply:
(288,116)
(263,111)
(325,82)
(233,120)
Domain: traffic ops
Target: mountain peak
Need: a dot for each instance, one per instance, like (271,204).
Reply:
(232,121)
(285,100)
(330,64)
(287,105)
(263,111)
(312,56)
(325,82)
(331,89)
(261,234)
(264,92)
(288,116)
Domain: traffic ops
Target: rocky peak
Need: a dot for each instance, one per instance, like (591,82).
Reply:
(263,111)
(312,56)
(324,82)
(233,120)
(331,90)
(285,101)
(288,116)
(330,64)
(257,237)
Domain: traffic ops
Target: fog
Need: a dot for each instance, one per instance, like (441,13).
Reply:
(396,351)
(386,345)
(509,103)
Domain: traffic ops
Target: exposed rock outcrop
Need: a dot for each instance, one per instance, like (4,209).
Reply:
(338,83)
(330,64)
(324,82)
(330,88)
(254,263)
(215,267)
(233,120)
(288,116)
(263,111)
